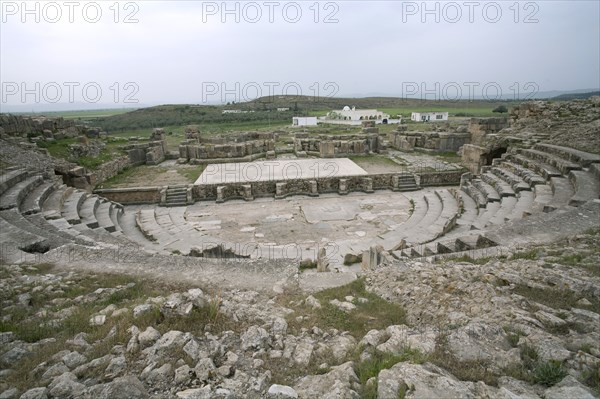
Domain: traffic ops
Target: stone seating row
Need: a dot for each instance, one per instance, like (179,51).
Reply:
(38,214)
(522,183)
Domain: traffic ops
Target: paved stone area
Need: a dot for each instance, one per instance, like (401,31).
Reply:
(278,169)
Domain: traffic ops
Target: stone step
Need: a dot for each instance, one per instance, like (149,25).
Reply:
(71,206)
(88,210)
(470,209)
(116,211)
(429,231)
(563,165)
(486,216)
(523,207)
(393,238)
(65,232)
(52,206)
(473,242)
(421,232)
(15,240)
(474,192)
(503,188)
(516,182)
(14,195)
(543,169)
(182,197)
(582,158)
(587,187)
(33,202)
(127,222)
(11,177)
(13,217)
(99,235)
(562,190)
(174,191)
(67,228)
(488,191)
(502,214)
(543,198)
(103,216)
(528,175)
(146,222)
(560,224)
(173,219)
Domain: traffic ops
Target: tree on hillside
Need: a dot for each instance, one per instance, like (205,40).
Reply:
(500,109)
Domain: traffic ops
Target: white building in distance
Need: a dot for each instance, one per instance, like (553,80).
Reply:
(304,121)
(429,116)
(353,114)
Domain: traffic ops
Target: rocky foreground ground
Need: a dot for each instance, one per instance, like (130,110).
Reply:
(522,326)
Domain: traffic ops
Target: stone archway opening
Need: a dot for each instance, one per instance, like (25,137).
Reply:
(493,154)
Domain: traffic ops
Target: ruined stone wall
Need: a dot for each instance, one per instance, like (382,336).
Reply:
(22,126)
(480,127)
(237,138)
(474,157)
(436,141)
(314,187)
(83,179)
(332,146)
(150,153)
(108,170)
(450,177)
(190,150)
(280,189)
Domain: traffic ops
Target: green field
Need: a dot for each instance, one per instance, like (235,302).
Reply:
(89,114)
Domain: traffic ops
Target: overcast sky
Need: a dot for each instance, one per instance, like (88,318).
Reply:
(99,53)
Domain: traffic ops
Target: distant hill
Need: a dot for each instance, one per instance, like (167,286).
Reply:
(575,96)
(265,108)
(330,103)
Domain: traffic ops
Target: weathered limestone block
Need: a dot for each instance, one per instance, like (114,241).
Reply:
(280,190)
(322,261)
(220,194)
(372,258)
(367,184)
(314,192)
(343,188)
(248,192)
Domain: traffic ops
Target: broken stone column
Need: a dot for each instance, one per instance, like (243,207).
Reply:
(367,184)
(322,261)
(279,190)
(248,192)
(314,192)
(220,194)
(372,258)
(343,189)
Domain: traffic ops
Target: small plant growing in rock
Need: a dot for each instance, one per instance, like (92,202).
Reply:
(513,335)
(549,373)
(213,308)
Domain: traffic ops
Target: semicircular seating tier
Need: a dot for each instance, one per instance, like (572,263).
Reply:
(528,194)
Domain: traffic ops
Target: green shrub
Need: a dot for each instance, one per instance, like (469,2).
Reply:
(549,373)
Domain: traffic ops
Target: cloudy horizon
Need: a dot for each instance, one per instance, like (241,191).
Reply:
(127,54)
